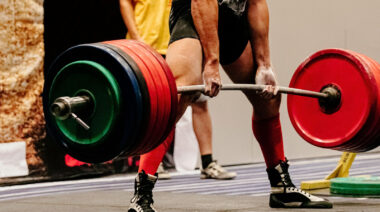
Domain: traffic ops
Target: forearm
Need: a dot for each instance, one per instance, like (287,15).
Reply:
(205,16)
(128,15)
(258,18)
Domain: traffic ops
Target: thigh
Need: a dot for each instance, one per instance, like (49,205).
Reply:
(243,70)
(184,58)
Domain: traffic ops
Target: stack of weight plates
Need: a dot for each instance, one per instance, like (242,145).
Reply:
(352,126)
(133,93)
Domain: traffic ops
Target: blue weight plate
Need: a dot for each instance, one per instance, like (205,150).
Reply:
(130,118)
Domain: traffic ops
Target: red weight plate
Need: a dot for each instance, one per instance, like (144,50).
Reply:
(159,122)
(173,89)
(370,140)
(152,131)
(153,92)
(172,85)
(340,68)
(164,97)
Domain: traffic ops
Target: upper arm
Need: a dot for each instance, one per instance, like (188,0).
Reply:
(123,3)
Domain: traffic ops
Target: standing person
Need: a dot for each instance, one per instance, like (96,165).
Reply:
(148,21)
(233,33)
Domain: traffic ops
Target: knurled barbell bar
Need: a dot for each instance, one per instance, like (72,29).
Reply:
(119,97)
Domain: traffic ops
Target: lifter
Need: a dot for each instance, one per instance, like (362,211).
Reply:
(233,33)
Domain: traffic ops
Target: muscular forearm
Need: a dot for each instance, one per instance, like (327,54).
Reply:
(127,13)
(258,18)
(205,16)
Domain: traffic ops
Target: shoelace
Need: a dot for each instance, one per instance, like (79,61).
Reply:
(299,190)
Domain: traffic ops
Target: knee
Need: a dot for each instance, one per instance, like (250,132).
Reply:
(264,109)
(200,107)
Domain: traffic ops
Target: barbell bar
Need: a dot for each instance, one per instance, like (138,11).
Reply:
(129,98)
(255,87)
(64,107)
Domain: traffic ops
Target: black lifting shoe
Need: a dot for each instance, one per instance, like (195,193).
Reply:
(142,200)
(284,194)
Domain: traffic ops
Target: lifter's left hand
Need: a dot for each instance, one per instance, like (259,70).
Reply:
(266,76)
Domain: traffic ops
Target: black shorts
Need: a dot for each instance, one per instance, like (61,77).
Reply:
(232,31)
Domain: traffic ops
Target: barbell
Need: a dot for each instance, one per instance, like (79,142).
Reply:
(119,97)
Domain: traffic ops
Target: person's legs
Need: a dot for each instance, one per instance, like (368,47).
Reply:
(184,58)
(203,131)
(266,127)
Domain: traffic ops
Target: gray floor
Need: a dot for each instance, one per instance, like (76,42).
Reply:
(184,192)
(116,200)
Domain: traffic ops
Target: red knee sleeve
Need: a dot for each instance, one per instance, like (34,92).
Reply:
(269,135)
(150,161)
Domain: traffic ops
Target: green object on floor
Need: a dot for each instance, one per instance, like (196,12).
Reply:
(360,185)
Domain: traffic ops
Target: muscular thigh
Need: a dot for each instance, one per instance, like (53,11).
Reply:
(243,70)
(185,61)
(184,58)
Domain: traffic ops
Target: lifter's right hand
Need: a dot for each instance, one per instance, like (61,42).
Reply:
(211,79)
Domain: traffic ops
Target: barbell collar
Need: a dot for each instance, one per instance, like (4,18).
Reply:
(255,87)
(63,107)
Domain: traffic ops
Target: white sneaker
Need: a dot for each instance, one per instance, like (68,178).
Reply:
(214,171)
(162,173)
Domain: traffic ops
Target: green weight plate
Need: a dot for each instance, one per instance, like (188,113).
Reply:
(363,185)
(94,79)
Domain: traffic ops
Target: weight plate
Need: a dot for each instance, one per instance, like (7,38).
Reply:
(144,91)
(160,122)
(164,97)
(341,69)
(172,86)
(153,92)
(370,139)
(361,185)
(95,80)
(130,116)
(132,109)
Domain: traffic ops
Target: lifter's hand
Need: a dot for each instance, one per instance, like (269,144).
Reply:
(211,79)
(266,76)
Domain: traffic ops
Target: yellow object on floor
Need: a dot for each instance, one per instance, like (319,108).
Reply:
(342,170)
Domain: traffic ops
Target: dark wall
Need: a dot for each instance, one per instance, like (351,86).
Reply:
(71,22)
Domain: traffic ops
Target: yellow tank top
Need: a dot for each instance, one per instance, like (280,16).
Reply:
(152,20)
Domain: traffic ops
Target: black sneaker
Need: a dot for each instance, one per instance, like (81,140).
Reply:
(142,200)
(285,195)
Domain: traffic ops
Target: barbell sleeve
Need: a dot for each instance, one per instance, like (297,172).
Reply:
(255,87)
